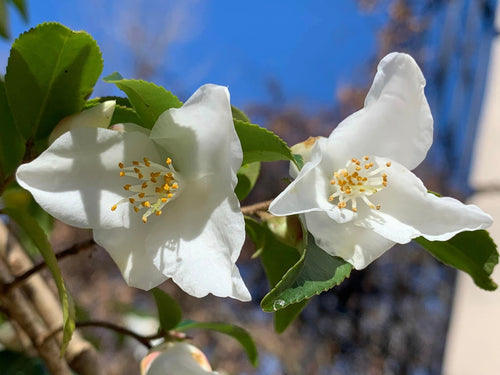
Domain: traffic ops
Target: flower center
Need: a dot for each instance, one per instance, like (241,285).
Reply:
(359,179)
(157,186)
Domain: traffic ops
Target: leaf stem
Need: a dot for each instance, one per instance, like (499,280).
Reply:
(253,209)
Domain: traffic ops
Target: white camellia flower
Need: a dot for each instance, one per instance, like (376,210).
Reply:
(162,203)
(176,358)
(356,192)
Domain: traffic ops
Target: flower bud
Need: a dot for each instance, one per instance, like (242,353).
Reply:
(98,116)
(175,358)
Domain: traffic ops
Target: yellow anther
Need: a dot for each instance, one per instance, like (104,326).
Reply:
(131,200)
(166,187)
(141,195)
(170,195)
(144,219)
(140,176)
(127,187)
(354,209)
(113,207)
(377,207)
(154,180)
(384,183)
(174,185)
(137,170)
(158,190)
(388,164)
(135,162)
(136,209)
(146,204)
(155,174)
(366,157)
(144,185)
(332,182)
(122,174)
(158,213)
(362,190)
(341,205)
(358,168)
(146,162)
(354,160)
(121,165)
(331,198)
(168,161)
(164,200)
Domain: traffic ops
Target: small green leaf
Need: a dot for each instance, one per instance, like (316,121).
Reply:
(238,114)
(314,273)
(21,7)
(169,311)
(50,73)
(11,142)
(30,226)
(260,144)
(4,20)
(472,252)
(123,115)
(299,161)
(148,100)
(242,336)
(277,258)
(247,177)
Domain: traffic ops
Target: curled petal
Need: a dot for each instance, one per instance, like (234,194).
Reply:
(77,179)
(396,121)
(409,211)
(356,245)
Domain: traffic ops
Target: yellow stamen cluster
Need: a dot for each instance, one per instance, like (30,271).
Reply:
(157,186)
(358,179)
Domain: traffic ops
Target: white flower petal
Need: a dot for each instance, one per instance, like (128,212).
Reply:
(311,189)
(129,127)
(396,121)
(198,239)
(128,249)
(409,211)
(355,245)
(200,136)
(77,180)
(98,116)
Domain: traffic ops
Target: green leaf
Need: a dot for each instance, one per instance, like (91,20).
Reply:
(314,273)
(30,226)
(277,258)
(21,7)
(260,144)
(11,142)
(124,102)
(169,311)
(242,336)
(247,177)
(148,100)
(299,161)
(472,252)
(238,114)
(123,115)
(4,20)
(50,73)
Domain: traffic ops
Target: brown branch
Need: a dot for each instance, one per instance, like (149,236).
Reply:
(75,249)
(144,340)
(254,209)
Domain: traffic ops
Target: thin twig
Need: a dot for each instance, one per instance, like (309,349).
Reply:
(144,340)
(253,209)
(75,249)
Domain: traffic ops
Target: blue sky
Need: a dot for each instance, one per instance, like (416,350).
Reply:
(309,48)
